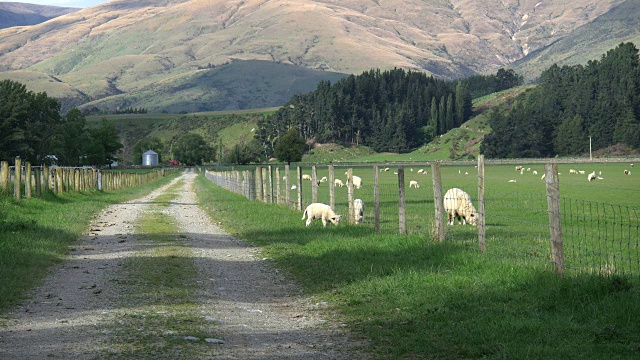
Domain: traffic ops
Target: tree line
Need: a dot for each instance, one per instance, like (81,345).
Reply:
(393,110)
(33,129)
(573,104)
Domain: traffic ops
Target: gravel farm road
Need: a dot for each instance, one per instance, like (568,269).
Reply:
(258,313)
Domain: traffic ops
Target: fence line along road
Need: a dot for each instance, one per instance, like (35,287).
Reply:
(536,227)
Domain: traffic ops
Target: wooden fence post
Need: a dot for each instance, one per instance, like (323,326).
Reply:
(481,222)
(376,198)
(314,184)
(17,188)
(27,180)
(350,195)
(46,177)
(287,185)
(402,219)
(555,223)
(252,185)
(59,180)
(438,201)
(332,187)
(38,179)
(299,175)
(4,176)
(271,200)
(278,194)
(264,186)
(259,183)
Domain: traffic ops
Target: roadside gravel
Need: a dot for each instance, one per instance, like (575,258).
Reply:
(259,313)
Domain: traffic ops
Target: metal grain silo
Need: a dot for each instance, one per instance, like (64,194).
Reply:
(150,158)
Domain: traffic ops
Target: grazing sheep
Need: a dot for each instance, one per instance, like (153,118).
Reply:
(627,172)
(420,171)
(600,178)
(457,204)
(522,171)
(284,177)
(306,177)
(466,173)
(518,168)
(512,181)
(631,165)
(573,171)
(543,176)
(320,211)
(358,210)
(535,172)
(293,187)
(528,169)
(414,184)
(581,172)
(324,179)
(591,176)
(357,181)
(386,169)
(338,182)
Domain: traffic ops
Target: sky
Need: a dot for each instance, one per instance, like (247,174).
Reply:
(64,3)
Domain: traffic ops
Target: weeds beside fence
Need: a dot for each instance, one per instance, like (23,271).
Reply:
(532,222)
(26,181)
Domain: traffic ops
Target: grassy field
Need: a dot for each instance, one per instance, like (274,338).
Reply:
(415,298)
(35,233)
(599,218)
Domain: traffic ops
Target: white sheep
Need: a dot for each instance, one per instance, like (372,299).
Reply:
(358,210)
(324,179)
(293,187)
(420,171)
(581,172)
(518,168)
(457,204)
(338,182)
(320,211)
(627,172)
(512,181)
(573,171)
(386,169)
(357,181)
(306,177)
(543,176)
(414,184)
(535,172)
(591,176)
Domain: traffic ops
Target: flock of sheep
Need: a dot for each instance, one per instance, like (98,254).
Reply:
(457,204)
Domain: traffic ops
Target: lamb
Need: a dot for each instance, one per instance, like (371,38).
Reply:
(320,211)
(414,184)
(457,204)
(627,172)
(420,171)
(357,181)
(338,182)
(591,176)
(306,177)
(573,171)
(518,168)
(358,210)
(324,179)
(535,172)
(581,172)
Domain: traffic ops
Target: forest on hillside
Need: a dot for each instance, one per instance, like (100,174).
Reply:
(599,100)
(393,110)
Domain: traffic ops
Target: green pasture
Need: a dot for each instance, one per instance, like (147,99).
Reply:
(415,298)
(599,218)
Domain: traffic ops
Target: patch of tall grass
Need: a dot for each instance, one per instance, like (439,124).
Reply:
(36,233)
(415,298)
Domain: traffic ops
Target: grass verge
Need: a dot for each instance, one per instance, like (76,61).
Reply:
(36,233)
(415,298)
(160,318)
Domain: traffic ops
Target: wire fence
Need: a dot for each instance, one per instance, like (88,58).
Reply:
(530,222)
(26,181)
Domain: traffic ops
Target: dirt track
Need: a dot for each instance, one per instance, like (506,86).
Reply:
(259,313)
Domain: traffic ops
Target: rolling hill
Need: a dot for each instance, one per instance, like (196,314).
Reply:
(192,55)
(20,14)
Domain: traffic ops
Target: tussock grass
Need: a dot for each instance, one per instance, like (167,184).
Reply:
(158,283)
(35,233)
(415,298)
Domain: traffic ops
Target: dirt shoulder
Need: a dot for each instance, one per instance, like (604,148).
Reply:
(256,311)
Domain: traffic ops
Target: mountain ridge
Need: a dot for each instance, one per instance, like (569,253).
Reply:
(133,45)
